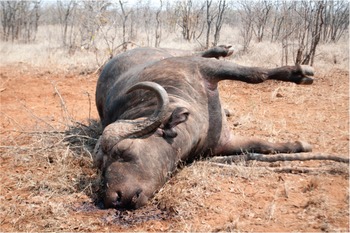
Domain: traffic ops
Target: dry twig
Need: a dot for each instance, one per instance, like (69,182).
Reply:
(329,169)
(294,170)
(278,157)
(68,117)
(226,161)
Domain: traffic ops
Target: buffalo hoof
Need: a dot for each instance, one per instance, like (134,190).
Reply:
(306,81)
(307,71)
(306,147)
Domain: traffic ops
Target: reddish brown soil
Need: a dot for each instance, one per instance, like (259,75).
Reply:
(36,196)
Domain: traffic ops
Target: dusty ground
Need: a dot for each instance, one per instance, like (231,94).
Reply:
(48,184)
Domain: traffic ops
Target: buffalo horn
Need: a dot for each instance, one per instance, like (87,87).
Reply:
(123,129)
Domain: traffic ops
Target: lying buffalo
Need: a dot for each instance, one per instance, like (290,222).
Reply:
(158,109)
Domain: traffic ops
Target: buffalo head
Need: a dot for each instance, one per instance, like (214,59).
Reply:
(127,152)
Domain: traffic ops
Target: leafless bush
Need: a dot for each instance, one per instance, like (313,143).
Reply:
(336,20)
(19,20)
(189,14)
(106,28)
(158,30)
(215,13)
(310,36)
(247,25)
(66,14)
(298,26)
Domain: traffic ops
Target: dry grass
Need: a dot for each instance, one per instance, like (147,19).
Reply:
(46,172)
(49,52)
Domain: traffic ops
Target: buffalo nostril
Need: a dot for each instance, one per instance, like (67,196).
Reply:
(115,200)
(138,192)
(136,196)
(118,198)
(139,199)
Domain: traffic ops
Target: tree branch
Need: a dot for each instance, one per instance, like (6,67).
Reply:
(279,157)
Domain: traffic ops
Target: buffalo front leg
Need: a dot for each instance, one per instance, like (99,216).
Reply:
(215,71)
(240,145)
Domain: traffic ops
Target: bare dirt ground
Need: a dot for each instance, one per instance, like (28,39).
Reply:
(48,183)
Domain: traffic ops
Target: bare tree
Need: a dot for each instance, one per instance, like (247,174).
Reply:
(310,36)
(147,16)
(91,20)
(66,13)
(336,20)
(214,12)
(20,20)
(189,15)
(107,31)
(210,18)
(297,25)
(262,13)
(289,26)
(219,20)
(158,30)
(125,15)
(246,28)
(277,21)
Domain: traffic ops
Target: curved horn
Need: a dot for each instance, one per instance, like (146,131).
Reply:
(162,97)
(122,129)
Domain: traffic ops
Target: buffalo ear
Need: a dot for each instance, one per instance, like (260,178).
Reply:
(97,155)
(179,115)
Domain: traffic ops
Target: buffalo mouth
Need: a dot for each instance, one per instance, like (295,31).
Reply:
(116,203)
(117,200)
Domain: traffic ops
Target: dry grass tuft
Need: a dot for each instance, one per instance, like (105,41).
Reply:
(193,192)
(48,172)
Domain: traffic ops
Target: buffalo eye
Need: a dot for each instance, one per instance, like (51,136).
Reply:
(121,156)
(169,133)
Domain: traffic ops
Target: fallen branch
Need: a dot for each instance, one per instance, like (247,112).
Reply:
(32,132)
(293,170)
(298,157)
(331,170)
(278,157)
(63,103)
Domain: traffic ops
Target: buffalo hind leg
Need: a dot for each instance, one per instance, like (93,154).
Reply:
(241,145)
